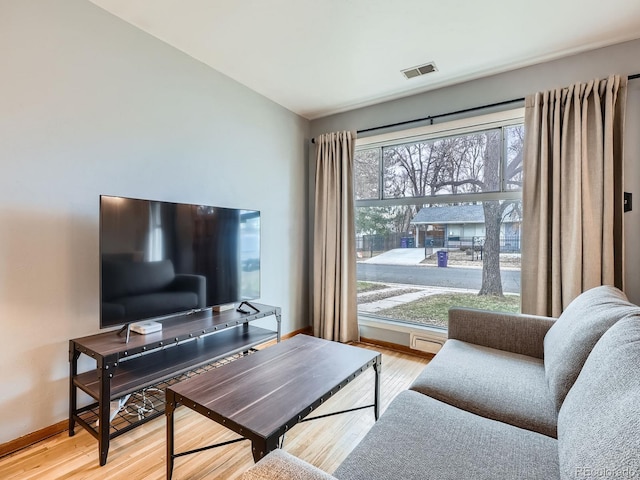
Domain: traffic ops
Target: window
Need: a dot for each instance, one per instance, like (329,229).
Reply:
(438,216)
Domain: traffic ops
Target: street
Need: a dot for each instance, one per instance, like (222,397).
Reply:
(434,276)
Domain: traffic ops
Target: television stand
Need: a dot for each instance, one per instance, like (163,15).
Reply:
(187,345)
(127,328)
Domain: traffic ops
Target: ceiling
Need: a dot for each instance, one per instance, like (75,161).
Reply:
(318,57)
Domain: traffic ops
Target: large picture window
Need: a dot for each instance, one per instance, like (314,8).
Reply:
(438,217)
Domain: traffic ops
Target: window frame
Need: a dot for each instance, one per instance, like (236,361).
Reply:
(463,126)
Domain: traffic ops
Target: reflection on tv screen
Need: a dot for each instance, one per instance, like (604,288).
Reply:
(160,258)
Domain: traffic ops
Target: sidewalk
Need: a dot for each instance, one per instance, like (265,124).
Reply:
(398,256)
(415,256)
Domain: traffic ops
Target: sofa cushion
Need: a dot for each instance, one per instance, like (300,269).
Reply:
(492,383)
(419,438)
(571,338)
(599,422)
(280,465)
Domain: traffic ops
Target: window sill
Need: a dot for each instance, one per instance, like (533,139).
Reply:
(397,326)
(402,333)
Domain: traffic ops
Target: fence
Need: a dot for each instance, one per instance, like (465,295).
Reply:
(508,243)
(374,244)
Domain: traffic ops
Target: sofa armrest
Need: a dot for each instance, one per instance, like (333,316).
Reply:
(185,282)
(280,465)
(511,332)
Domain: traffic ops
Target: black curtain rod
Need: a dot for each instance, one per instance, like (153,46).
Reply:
(440,115)
(457,112)
(432,117)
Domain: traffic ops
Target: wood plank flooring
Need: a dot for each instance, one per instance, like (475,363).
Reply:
(140,454)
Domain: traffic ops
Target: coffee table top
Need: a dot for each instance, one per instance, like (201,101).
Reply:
(259,394)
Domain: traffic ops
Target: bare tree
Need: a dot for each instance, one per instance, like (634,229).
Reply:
(491,278)
(367,168)
(495,211)
(410,171)
(472,164)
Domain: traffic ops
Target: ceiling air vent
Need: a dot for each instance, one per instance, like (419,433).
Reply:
(419,70)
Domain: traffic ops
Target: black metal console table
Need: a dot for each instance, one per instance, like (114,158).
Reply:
(186,345)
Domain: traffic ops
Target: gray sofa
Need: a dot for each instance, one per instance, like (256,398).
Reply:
(509,397)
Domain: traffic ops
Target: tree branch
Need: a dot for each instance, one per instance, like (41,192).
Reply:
(459,183)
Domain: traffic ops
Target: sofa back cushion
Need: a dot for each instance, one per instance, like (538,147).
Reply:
(599,422)
(569,341)
(123,278)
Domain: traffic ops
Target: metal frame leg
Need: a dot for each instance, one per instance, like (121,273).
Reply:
(278,315)
(104,411)
(376,402)
(170,407)
(261,447)
(73,393)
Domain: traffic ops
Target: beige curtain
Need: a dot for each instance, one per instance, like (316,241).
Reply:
(334,265)
(572,193)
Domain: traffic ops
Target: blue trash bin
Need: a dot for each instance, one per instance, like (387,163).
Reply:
(442,258)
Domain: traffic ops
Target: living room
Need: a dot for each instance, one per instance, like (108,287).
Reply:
(92,105)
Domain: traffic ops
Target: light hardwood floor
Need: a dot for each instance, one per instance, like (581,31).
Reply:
(140,454)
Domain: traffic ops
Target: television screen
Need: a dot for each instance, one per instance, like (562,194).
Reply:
(160,258)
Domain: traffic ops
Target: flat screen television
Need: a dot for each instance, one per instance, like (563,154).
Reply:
(159,259)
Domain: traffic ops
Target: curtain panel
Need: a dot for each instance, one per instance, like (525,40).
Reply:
(334,253)
(572,193)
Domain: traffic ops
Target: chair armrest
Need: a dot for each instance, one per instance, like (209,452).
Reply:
(280,465)
(511,332)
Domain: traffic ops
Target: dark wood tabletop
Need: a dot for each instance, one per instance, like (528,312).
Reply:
(262,395)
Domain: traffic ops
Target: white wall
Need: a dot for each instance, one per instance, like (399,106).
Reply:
(91,105)
(623,59)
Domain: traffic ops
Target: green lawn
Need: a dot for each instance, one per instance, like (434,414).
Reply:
(433,310)
(370,286)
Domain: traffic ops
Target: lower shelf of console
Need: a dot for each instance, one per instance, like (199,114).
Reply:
(145,404)
(145,377)
(135,373)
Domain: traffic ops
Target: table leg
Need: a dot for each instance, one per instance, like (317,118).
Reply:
(104,411)
(260,447)
(73,393)
(376,403)
(257,449)
(170,407)
(278,321)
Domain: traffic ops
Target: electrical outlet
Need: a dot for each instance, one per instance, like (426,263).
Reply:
(627,202)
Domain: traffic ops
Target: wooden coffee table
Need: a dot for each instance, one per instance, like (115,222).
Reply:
(264,394)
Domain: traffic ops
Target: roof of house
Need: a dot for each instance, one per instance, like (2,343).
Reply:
(454,214)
